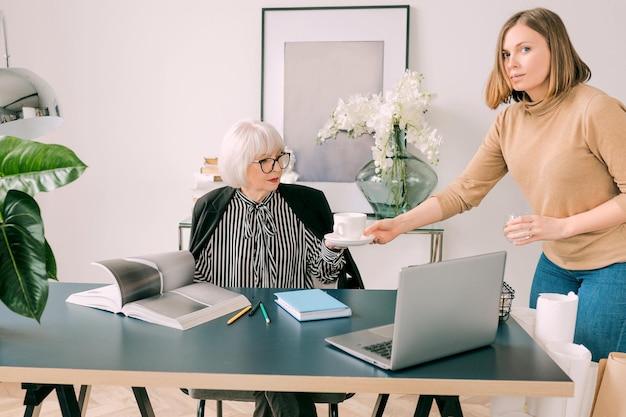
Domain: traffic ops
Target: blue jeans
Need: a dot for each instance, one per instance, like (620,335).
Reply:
(601,317)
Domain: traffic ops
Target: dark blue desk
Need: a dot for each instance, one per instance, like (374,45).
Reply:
(80,345)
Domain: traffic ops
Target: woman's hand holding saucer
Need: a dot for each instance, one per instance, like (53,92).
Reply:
(382,230)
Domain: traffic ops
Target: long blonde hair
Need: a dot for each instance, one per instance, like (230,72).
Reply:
(567,69)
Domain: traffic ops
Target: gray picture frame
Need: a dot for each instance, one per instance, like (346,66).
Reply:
(311,57)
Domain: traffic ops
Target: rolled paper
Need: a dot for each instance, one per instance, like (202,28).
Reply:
(556,318)
(546,406)
(590,390)
(506,406)
(575,360)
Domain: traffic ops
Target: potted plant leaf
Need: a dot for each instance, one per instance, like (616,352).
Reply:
(26,259)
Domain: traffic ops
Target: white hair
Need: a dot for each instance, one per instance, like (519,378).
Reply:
(242,143)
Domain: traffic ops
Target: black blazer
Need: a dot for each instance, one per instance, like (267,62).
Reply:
(309,204)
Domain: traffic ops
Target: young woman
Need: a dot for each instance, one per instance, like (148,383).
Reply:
(257,232)
(564,144)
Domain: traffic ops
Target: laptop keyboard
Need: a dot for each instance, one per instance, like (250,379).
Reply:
(383,348)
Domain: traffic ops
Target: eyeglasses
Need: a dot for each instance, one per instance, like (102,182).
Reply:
(267,164)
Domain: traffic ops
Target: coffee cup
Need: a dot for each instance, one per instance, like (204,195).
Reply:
(349,226)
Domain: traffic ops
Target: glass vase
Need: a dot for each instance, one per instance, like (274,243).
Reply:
(401,186)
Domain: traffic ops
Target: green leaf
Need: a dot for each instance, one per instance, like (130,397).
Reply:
(34,167)
(26,258)
(23,256)
(51,263)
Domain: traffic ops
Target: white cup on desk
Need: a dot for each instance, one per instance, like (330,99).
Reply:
(349,226)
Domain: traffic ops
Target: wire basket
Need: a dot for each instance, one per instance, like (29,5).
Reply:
(506,299)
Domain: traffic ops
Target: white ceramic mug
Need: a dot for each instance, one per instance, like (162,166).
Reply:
(349,226)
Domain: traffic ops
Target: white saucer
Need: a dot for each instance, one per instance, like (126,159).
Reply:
(339,241)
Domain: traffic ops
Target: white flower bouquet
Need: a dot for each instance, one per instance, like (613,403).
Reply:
(404,107)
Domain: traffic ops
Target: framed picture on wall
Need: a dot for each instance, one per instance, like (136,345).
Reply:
(312,57)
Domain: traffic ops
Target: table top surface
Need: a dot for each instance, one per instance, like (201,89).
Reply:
(80,345)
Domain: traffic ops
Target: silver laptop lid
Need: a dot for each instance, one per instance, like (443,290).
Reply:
(446,308)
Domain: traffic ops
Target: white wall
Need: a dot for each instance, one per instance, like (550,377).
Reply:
(148,87)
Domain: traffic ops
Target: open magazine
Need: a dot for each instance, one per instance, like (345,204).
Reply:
(159,288)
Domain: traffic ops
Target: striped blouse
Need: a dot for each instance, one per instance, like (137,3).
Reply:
(265,245)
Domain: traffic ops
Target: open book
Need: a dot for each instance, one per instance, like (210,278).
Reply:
(159,289)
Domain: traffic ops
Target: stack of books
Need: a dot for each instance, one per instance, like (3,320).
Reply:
(209,170)
(206,178)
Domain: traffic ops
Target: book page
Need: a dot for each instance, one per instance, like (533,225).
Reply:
(169,305)
(206,293)
(187,307)
(135,280)
(177,268)
(104,298)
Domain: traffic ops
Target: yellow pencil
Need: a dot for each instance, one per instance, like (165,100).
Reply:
(241,313)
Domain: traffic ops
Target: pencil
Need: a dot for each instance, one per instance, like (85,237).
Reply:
(267,318)
(241,313)
(255,308)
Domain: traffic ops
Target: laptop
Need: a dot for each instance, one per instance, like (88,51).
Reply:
(442,309)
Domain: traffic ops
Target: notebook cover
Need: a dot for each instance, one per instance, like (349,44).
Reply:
(311,304)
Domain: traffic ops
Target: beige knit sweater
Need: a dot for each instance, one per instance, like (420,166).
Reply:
(567,158)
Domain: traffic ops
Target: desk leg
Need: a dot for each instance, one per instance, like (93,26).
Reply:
(143,402)
(67,401)
(381,403)
(83,399)
(449,405)
(33,397)
(32,410)
(36,393)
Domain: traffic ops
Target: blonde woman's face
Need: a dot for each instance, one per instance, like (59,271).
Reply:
(527,61)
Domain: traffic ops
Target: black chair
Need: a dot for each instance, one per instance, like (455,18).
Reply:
(332,399)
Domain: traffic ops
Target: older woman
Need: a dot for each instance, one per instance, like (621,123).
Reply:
(257,232)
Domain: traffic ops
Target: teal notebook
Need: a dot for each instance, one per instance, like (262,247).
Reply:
(313,304)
